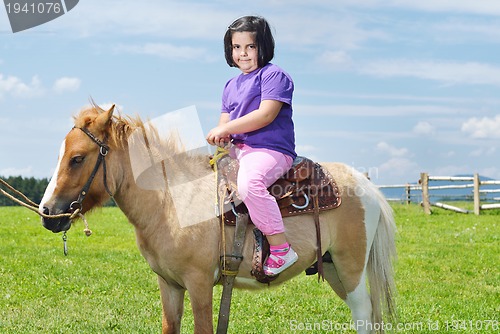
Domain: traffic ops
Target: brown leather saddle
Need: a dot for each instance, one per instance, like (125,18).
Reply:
(294,192)
(305,188)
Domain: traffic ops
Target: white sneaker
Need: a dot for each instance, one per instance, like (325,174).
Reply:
(276,264)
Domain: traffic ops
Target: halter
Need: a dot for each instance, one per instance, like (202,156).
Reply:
(103,151)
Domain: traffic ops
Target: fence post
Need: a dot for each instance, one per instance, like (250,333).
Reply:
(477,200)
(424,181)
(408,195)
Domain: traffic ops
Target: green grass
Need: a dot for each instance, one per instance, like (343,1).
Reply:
(448,270)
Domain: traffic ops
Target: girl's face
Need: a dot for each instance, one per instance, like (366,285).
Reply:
(245,53)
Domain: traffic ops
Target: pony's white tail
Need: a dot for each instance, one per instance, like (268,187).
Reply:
(380,266)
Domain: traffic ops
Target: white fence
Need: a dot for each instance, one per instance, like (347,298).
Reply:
(424,190)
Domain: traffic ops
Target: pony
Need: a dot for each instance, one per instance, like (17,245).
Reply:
(359,235)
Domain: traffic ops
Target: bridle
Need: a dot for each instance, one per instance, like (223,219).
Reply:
(103,151)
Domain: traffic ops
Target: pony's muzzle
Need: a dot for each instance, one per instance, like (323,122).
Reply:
(55,225)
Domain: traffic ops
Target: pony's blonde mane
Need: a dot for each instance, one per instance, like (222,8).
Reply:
(122,128)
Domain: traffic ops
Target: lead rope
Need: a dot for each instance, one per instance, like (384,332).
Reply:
(29,204)
(219,205)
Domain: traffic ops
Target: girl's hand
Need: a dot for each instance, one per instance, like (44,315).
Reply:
(218,136)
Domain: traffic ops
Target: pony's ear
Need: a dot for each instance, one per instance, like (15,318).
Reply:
(103,120)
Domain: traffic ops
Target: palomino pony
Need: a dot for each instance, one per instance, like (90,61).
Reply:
(359,234)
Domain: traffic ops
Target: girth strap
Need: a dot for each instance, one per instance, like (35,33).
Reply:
(319,252)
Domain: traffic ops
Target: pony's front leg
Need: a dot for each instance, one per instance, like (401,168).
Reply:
(172,299)
(200,291)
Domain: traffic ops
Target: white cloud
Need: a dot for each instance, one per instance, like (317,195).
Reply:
(391,150)
(485,7)
(334,60)
(14,86)
(166,50)
(66,84)
(314,30)
(467,30)
(104,106)
(423,128)
(483,151)
(154,18)
(300,25)
(374,110)
(493,172)
(442,71)
(397,168)
(305,149)
(10,171)
(485,127)
(450,170)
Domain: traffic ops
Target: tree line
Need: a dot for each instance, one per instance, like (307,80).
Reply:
(31,187)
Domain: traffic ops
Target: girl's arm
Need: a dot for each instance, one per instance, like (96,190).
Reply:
(257,119)
(224,118)
(219,140)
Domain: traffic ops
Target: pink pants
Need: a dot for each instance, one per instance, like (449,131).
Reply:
(259,169)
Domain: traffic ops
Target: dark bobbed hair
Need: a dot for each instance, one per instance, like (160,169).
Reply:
(263,38)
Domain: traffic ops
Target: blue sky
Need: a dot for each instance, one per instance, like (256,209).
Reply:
(394,88)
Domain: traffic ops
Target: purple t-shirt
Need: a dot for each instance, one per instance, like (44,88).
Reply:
(243,94)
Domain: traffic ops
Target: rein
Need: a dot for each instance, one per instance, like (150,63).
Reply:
(75,206)
(29,204)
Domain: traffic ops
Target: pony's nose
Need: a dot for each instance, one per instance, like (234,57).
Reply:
(45,210)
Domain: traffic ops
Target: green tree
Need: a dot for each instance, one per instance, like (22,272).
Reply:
(30,187)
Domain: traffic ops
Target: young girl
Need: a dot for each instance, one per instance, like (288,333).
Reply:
(257,118)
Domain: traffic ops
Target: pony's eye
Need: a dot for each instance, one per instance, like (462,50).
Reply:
(77,160)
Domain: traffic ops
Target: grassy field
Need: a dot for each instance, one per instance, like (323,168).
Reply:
(447,274)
